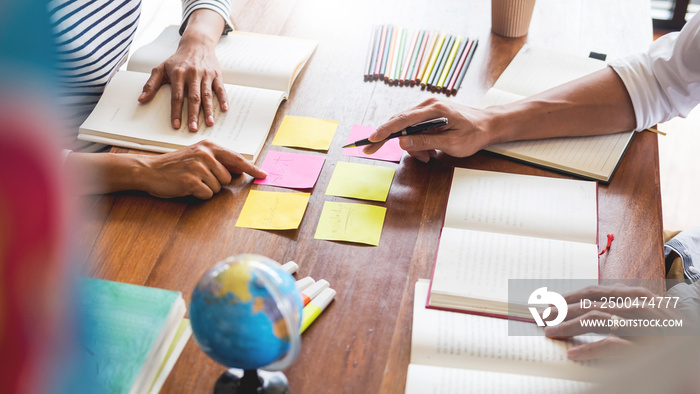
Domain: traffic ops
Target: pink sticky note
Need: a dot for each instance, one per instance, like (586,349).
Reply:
(390,151)
(291,170)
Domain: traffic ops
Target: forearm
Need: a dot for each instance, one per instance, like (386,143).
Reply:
(595,104)
(100,173)
(204,27)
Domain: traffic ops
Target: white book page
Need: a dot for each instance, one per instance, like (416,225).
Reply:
(475,264)
(535,69)
(459,340)
(525,205)
(119,117)
(247,59)
(423,379)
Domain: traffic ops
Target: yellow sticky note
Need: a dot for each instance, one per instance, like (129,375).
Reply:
(342,221)
(360,181)
(273,210)
(303,132)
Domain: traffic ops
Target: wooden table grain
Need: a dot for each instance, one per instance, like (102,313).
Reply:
(361,343)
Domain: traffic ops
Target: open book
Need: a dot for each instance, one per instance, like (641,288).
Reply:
(132,335)
(534,70)
(502,226)
(461,353)
(259,71)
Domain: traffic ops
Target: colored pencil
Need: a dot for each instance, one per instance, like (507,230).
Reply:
(414,58)
(433,58)
(407,57)
(387,49)
(393,54)
(440,64)
(455,64)
(399,60)
(466,64)
(460,65)
(375,50)
(426,55)
(369,53)
(450,61)
(421,56)
(380,52)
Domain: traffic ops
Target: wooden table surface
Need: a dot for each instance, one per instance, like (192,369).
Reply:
(361,343)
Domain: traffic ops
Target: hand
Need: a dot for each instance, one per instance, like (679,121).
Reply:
(467,131)
(614,345)
(199,170)
(193,71)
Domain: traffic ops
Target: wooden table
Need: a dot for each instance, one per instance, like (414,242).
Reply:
(362,342)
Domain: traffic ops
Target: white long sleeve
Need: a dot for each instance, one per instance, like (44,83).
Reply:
(222,7)
(665,81)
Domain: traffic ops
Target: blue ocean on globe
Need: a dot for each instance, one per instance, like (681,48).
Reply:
(235,318)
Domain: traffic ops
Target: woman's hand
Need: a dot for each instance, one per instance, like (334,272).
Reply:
(193,72)
(199,170)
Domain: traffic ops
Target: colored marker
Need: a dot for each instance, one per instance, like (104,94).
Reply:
(315,307)
(427,54)
(433,59)
(304,283)
(466,65)
(290,267)
(314,290)
(448,64)
(380,52)
(387,46)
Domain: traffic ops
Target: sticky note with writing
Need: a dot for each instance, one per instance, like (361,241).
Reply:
(390,151)
(292,170)
(361,181)
(273,210)
(351,222)
(303,132)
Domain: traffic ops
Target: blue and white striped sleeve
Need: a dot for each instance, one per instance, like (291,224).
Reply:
(222,7)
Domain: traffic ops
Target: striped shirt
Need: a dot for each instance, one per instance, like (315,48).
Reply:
(92,39)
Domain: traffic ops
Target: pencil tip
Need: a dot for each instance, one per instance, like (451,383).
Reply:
(349,146)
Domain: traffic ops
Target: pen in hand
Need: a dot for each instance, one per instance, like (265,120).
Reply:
(410,130)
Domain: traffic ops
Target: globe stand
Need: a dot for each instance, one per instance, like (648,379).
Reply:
(240,381)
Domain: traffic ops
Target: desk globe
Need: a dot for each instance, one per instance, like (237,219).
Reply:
(246,314)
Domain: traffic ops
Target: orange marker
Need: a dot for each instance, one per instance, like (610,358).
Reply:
(312,291)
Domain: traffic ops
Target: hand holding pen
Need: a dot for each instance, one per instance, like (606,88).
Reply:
(467,130)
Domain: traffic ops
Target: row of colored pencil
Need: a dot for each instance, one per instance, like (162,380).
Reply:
(437,61)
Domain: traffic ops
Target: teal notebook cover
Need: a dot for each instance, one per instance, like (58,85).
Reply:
(121,323)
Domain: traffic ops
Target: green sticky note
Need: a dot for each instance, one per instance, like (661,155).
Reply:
(351,222)
(273,210)
(361,181)
(303,132)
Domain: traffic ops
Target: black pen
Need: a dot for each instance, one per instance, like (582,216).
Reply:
(410,130)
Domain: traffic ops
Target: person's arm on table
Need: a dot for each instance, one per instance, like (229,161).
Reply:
(194,72)
(595,104)
(199,170)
